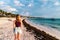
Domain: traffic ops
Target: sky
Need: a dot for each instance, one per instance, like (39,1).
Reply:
(39,8)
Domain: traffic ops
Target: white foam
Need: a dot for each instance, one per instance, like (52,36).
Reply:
(53,32)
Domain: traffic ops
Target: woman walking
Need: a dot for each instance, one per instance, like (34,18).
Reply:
(17,24)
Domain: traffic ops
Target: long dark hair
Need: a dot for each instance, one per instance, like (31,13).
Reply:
(17,16)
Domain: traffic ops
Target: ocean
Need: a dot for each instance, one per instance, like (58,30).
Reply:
(47,22)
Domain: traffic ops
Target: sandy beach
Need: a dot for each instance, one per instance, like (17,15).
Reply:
(30,31)
(6,30)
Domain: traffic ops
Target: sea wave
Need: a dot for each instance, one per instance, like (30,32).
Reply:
(48,23)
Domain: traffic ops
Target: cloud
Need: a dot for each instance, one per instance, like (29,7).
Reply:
(2,2)
(45,0)
(9,8)
(18,3)
(56,3)
(4,6)
(30,5)
(25,13)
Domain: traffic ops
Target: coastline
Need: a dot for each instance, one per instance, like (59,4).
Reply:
(46,34)
(30,32)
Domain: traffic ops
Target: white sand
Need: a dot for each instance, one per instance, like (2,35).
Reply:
(6,30)
(55,33)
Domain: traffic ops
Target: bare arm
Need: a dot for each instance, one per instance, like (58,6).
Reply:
(13,24)
(21,23)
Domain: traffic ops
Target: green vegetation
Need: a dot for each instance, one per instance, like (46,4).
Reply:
(6,14)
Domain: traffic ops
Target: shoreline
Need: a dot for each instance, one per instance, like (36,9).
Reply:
(51,31)
(39,31)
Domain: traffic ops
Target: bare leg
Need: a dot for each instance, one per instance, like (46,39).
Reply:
(15,36)
(18,36)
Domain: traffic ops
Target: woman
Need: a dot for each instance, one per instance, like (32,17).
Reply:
(17,27)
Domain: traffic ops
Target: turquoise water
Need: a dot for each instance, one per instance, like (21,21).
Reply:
(53,23)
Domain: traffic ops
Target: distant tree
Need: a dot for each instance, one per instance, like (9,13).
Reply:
(4,13)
